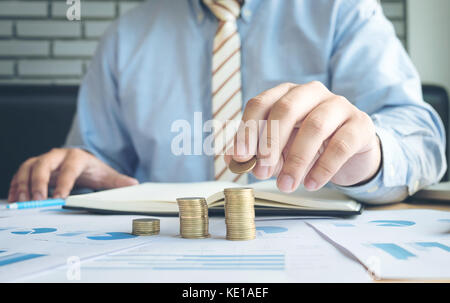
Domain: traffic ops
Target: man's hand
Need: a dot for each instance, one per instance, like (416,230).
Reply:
(321,137)
(63,168)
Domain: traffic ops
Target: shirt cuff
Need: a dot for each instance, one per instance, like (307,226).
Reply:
(389,184)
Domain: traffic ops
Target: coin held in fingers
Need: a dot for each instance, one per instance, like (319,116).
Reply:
(242,167)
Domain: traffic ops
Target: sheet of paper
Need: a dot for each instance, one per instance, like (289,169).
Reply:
(36,240)
(401,244)
(286,250)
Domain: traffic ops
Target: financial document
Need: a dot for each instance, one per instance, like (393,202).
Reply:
(35,240)
(55,245)
(401,244)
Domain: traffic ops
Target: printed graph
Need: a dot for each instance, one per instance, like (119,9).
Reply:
(428,245)
(272,229)
(394,250)
(8,259)
(41,230)
(112,236)
(393,223)
(195,262)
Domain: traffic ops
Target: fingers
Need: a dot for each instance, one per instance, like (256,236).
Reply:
(41,171)
(257,109)
(63,167)
(73,165)
(21,181)
(86,170)
(342,146)
(12,189)
(283,117)
(318,125)
(114,180)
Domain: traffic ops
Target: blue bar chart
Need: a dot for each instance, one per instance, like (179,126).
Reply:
(16,257)
(191,262)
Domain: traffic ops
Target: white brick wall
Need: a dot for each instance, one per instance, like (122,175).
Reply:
(23,8)
(6,28)
(39,45)
(48,29)
(89,9)
(95,29)
(13,48)
(50,68)
(78,48)
(6,68)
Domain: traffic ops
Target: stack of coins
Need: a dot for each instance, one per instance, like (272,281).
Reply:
(193,218)
(240,213)
(145,227)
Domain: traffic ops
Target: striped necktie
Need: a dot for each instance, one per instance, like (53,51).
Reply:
(226,84)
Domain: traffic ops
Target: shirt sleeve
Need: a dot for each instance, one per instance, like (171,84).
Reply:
(98,125)
(370,67)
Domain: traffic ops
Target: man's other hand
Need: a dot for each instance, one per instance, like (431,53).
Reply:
(63,168)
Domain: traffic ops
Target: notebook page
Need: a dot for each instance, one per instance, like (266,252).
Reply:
(161,192)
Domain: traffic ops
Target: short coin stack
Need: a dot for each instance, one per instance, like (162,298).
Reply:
(145,227)
(240,213)
(193,218)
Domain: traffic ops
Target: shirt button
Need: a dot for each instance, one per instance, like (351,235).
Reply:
(200,17)
(246,13)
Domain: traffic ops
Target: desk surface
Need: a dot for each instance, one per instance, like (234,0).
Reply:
(408,205)
(413,204)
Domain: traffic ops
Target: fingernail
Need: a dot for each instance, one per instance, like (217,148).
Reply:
(262,172)
(311,185)
(22,197)
(38,196)
(56,196)
(241,149)
(286,183)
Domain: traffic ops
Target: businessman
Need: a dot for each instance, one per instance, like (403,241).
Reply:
(331,75)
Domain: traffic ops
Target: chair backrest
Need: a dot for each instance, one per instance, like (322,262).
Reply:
(437,97)
(34,119)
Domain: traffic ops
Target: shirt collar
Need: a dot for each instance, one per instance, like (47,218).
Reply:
(200,10)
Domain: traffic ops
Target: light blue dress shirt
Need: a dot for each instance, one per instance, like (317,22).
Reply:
(153,66)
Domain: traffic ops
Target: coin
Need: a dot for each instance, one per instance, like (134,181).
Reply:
(194,221)
(146,227)
(242,167)
(240,213)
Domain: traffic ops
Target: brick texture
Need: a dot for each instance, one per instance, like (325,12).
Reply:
(6,28)
(39,45)
(6,68)
(23,9)
(50,68)
(13,48)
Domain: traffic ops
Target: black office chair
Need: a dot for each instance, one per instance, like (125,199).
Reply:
(34,119)
(437,97)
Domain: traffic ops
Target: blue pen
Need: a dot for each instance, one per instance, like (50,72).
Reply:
(36,204)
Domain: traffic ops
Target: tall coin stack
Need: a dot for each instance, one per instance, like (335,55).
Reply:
(240,213)
(145,227)
(193,218)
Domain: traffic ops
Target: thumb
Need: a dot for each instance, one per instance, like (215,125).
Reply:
(115,180)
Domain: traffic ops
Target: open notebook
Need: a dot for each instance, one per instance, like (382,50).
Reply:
(160,199)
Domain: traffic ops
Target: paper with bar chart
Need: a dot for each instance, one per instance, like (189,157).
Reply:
(284,251)
(38,246)
(406,244)
(36,240)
